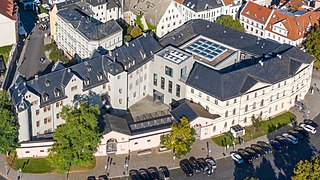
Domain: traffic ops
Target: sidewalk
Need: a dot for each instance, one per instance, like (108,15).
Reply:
(156,158)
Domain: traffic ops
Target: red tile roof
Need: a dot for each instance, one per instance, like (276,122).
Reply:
(8,9)
(179,1)
(256,12)
(228,2)
(296,26)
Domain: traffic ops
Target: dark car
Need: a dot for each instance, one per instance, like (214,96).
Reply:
(195,164)
(186,167)
(310,122)
(252,153)
(296,134)
(91,178)
(103,177)
(164,172)
(245,155)
(144,174)
(154,173)
(258,150)
(265,146)
(302,131)
(203,165)
(212,165)
(134,174)
(276,145)
(283,141)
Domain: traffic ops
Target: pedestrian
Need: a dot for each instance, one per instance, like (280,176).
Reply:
(315,84)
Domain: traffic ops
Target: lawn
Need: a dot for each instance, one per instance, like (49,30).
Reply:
(42,165)
(316,64)
(56,54)
(265,128)
(5,50)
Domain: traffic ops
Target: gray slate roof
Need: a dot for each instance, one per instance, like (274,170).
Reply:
(140,50)
(114,123)
(245,42)
(237,79)
(191,111)
(111,3)
(152,10)
(202,5)
(90,28)
(52,84)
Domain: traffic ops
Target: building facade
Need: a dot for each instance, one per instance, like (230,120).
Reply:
(9,23)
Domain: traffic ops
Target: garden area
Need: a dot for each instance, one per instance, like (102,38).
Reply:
(263,128)
(56,54)
(4,51)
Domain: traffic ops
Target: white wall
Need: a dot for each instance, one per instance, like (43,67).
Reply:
(9,31)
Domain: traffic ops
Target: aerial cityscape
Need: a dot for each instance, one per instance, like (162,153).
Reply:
(159,89)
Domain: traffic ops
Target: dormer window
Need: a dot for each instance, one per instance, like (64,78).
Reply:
(87,81)
(89,68)
(45,97)
(100,76)
(47,82)
(57,92)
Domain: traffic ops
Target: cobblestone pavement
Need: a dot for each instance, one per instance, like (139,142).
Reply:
(156,158)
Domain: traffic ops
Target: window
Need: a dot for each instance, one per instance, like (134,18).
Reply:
(192,90)
(170,87)
(120,101)
(178,90)
(276,108)
(134,94)
(120,91)
(169,71)
(208,98)
(225,125)
(270,110)
(37,112)
(216,101)
(148,140)
(262,92)
(58,115)
(232,122)
(162,83)
(45,120)
(226,114)
(130,86)
(135,143)
(27,152)
(183,73)
(234,111)
(247,97)
(262,102)
(74,88)
(214,129)
(254,105)
(246,108)
(245,120)
(41,150)
(207,108)
(38,123)
(284,92)
(255,95)
(200,94)
(271,98)
(227,103)
(235,101)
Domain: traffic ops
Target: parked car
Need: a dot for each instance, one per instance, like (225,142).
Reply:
(310,122)
(276,145)
(103,177)
(283,141)
(186,167)
(265,146)
(203,165)
(258,150)
(245,155)
(295,134)
(154,173)
(134,174)
(91,178)
(42,59)
(302,131)
(144,174)
(252,153)
(309,128)
(291,138)
(212,164)
(236,157)
(164,173)
(195,164)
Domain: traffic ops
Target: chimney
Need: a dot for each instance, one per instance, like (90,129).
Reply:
(261,62)
(279,56)
(36,77)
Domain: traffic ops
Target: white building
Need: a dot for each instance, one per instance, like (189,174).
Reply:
(105,10)
(80,36)
(9,23)
(234,76)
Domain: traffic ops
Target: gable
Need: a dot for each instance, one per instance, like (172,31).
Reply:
(252,84)
(280,25)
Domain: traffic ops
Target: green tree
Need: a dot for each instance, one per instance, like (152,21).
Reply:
(76,139)
(308,169)
(135,32)
(228,21)
(251,178)
(9,126)
(312,42)
(180,139)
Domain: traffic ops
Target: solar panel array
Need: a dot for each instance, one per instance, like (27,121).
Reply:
(151,123)
(175,56)
(206,49)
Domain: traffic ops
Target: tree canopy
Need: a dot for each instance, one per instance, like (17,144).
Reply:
(180,139)
(308,169)
(76,139)
(312,42)
(9,126)
(228,21)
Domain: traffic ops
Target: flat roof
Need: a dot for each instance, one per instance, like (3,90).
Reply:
(207,50)
(174,55)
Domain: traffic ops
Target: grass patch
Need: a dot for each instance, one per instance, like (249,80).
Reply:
(316,64)
(4,51)
(43,165)
(56,54)
(43,10)
(265,128)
